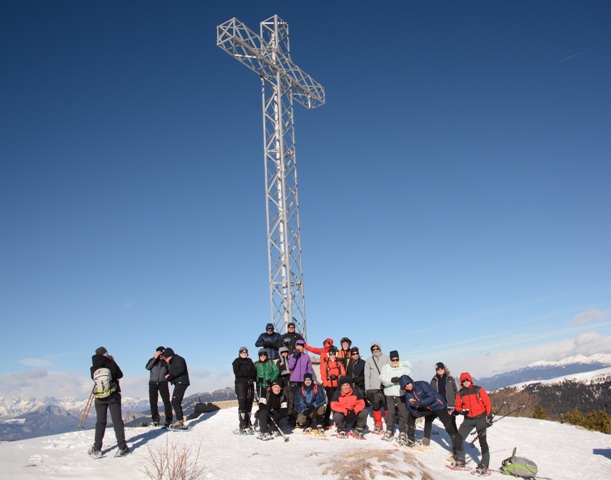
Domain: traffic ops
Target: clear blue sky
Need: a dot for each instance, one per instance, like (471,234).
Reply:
(454,190)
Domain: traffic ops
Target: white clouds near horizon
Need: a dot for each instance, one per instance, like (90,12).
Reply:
(591,315)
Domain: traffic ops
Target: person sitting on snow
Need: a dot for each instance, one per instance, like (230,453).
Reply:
(272,411)
(310,405)
(348,407)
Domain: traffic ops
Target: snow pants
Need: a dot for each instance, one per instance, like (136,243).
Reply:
(315,416)
(479,423)
(154,391)
(342,421)
(396,403)
(177,396)
(245,392)
(267,419)
(102,405)
(377,400)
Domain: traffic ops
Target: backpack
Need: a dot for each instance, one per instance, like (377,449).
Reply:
(103,386)
(519,467)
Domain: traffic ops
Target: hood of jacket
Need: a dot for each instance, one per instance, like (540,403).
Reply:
(371,347)
(465,376)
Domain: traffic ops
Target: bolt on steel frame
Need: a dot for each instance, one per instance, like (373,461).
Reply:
(283,82)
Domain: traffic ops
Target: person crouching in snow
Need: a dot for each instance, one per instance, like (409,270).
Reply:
(473,401)
(331,373)
(272,411)
(395,397)
(310,405)
(348,407)
(422,400)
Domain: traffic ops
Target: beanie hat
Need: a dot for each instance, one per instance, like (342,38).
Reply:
(101,351)
(306,376)
(344,380)
(262,351)
(160,349)
(333,350)
(299,342)
(440,365)
(282,350)
(278,382)
(393,354)
(291,324)
(354,350)
(269,326)
(405,380)
(243,349)
(168,352)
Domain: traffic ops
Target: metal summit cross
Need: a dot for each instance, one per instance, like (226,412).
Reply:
(269,56)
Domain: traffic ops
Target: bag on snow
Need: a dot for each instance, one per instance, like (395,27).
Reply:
(519,466)
(103,385)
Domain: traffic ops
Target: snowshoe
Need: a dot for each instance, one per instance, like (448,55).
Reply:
(358,434)
(342,435)
(122,452)
(95,454)
(481,471)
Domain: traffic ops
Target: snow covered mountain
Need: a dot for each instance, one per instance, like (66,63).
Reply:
(561,452)
(544,370)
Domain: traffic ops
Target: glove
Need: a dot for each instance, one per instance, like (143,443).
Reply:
(394,380)
(308,411)
(267,344)
(263,401)
(333,377)
(489,422)
(283,405)
(259,380)
(296,355)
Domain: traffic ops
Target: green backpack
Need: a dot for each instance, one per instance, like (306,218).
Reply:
(519,466)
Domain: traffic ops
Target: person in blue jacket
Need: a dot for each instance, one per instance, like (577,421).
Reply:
(310,401)
(422,400)
(269,340)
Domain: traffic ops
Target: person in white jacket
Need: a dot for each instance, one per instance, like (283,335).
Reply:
(395,397)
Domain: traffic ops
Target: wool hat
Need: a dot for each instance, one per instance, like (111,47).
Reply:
(262,351)
(299,342)
(344,380)
(307,375)
(405,380)
(269,326)
(278,382)
(355,350)
(160,349)
(291,324)
(393,354)
(281,350)
(333,350)
(243,349)
(168,352)
(101,351)
(440,365)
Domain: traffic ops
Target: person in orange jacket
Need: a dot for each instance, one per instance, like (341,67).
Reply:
(474,403)
(326,345)
(348,407)
(330,372)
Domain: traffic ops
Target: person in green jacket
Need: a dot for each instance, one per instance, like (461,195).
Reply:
(267,372)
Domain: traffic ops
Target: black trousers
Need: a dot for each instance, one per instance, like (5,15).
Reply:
(265,420)
(102,405)
(177,396)
(396,403)
(330,392)
(245,392)
(446,419)
(428,424)
(342,421)
(154,391)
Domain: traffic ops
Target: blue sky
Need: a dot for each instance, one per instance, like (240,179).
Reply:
(454,189)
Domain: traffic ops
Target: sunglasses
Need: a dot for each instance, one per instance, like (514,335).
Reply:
(375,349)
(394,360)
(355,354)
(263,354)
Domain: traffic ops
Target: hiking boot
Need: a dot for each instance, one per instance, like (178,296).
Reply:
(388,436)
(358,434)
(402,438)
(425,442)
(458,463)
(122,452)
(378,430)
(481,470)
(95,453)
(266,436)
(179,424)
(320,431)
(307,431)
(342,434)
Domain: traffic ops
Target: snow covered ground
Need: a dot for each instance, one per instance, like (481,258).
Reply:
(560,451)
(592,376)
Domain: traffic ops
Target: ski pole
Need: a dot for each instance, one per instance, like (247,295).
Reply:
(479,434)
(271,417)
(83,421)
(492,416)
(513,411)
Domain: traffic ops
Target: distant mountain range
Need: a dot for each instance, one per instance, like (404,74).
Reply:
(22,418)
(543,370)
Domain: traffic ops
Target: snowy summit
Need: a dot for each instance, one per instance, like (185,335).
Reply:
(560,451)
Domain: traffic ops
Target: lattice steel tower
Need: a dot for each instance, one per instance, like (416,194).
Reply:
(269,56)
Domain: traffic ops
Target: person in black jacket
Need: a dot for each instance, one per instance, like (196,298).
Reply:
(269,341)
(272,411)
(110,400)
(177,375)
(158,385)
(356,371)
(245,373)
(289,338)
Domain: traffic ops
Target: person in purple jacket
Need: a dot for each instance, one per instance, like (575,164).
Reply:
(299,365)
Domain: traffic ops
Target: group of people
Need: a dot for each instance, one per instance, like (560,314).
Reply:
(283,382)
(165,367)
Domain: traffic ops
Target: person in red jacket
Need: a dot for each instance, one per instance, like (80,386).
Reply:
(348,407)
(474,403)
(331,372)
(326,345)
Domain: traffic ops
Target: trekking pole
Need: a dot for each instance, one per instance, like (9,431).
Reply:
(492,416)
(271,417)
(489,424)
(85,414)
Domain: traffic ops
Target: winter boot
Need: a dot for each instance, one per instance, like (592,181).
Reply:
(94,453)
(482,470)
(388,436)
(122,452)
